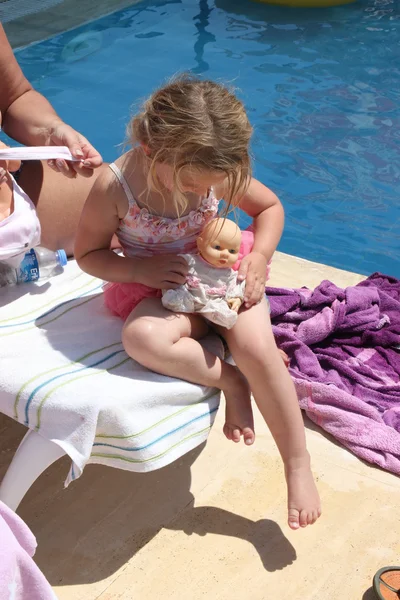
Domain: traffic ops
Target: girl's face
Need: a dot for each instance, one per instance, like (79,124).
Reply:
(192,180)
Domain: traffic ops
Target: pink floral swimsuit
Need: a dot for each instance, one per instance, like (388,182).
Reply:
(144,234)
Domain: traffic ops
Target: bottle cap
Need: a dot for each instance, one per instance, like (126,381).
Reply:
(62,257)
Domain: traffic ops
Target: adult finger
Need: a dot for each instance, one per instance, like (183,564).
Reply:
(79,147)
(80,169)
(65,168)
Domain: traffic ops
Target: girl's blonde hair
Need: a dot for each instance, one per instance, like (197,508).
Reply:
(195,123)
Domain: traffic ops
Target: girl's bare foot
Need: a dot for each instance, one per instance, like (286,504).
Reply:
(239,414)
(304,505)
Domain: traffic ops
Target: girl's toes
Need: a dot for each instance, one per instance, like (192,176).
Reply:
(248,436)
(227,432)
(303,518)
(236,434)
(293,519)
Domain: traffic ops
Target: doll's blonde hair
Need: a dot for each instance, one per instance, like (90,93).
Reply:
(198,124)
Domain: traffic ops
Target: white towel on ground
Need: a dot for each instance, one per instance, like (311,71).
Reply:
(64,373)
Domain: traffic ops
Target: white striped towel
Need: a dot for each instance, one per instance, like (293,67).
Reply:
(64,373)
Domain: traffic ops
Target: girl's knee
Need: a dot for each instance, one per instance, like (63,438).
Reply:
(139,337)
(257,352)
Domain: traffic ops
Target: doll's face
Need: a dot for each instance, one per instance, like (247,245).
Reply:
(219,243)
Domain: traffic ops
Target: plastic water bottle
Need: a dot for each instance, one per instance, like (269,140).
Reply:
(38,263)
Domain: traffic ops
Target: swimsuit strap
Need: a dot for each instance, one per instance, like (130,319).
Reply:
(118,174)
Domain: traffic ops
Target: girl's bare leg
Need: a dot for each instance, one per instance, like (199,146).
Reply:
(253,348)
(167,343)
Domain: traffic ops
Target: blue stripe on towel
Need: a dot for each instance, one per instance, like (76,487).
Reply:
(210,412)
(39,387)
(48,312)
(115,457)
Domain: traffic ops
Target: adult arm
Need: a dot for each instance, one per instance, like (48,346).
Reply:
(30,119)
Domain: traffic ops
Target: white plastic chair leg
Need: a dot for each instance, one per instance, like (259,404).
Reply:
(34,455)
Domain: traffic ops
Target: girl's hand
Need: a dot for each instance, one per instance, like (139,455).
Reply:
(253,269)
(165,272)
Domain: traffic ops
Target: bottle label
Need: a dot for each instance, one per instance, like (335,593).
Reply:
(29,268)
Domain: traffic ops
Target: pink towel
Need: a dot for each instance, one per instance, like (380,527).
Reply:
(20,578)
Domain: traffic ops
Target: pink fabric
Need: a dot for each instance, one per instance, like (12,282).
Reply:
(20,578)
(246,247)
(121,298)
(142,233)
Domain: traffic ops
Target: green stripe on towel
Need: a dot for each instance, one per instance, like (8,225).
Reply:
(51,302)
(160,422)
(33,326)
(60,385)
(144,460)
(54,369)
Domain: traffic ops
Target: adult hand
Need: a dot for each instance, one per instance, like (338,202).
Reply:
(62,134)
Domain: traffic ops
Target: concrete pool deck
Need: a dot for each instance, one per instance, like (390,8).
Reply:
(213,525)
(68,14)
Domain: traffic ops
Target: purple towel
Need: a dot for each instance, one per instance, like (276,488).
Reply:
(20,578)
(344,361)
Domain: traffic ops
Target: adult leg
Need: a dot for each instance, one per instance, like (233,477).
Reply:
(167,343)
(253,348)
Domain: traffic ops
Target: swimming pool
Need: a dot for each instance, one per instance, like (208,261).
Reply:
(322,88)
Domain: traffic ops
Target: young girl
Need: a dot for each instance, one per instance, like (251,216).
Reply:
(191,148)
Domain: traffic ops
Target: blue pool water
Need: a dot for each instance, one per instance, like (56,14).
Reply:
(322,88)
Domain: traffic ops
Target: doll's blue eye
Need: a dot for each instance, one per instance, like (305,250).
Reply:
(217,247)
(232,251)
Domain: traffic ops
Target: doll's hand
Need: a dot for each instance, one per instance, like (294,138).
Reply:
(234,304)
(253,269)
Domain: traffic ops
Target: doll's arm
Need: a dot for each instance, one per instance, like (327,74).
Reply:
(235,292)
(234,303)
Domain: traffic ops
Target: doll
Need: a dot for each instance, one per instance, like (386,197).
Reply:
(211,288)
